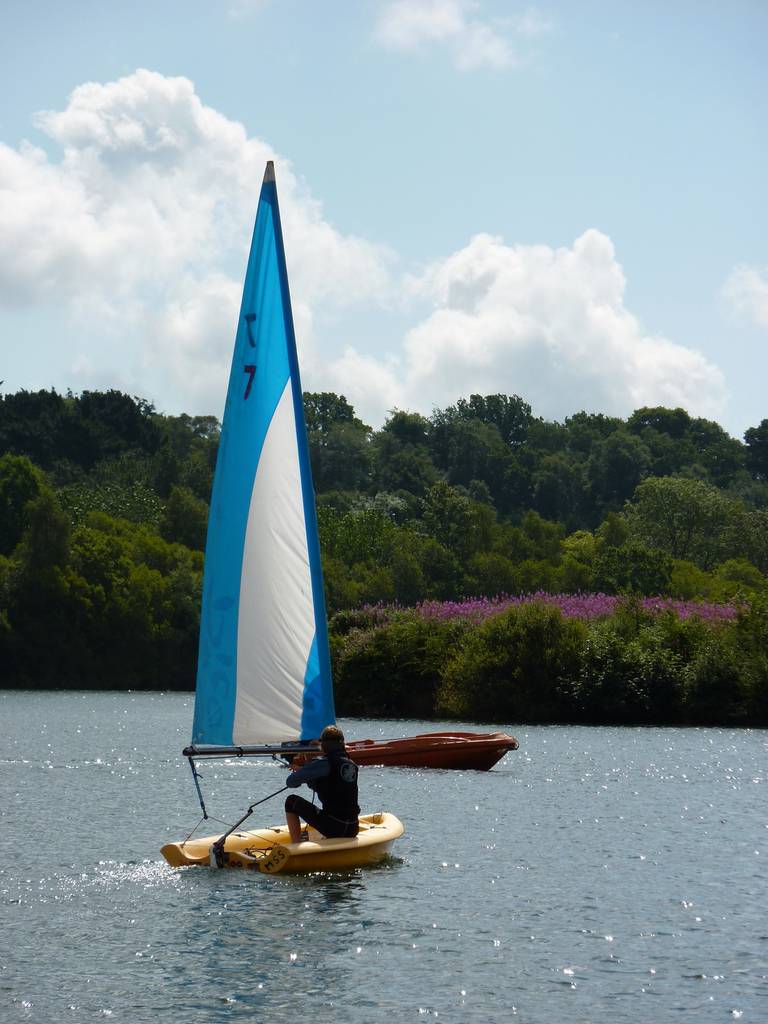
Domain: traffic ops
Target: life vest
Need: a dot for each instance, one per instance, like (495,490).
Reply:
(338,790)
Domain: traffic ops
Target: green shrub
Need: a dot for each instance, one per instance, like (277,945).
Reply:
(714,683)
(625,681)
(750,636)
(392,669)
(517,666)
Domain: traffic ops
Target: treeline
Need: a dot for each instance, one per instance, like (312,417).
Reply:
(103,510)
(483,498)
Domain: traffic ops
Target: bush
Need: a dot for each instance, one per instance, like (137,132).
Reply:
(517,666)
(714,683)
(750,637)
(394,669)
(364,618)
(627,682)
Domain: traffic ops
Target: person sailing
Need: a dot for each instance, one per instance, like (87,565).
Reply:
(334,779)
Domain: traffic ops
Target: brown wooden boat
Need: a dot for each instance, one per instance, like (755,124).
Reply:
(458,750)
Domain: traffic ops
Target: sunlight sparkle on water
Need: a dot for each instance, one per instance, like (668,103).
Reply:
(179,931)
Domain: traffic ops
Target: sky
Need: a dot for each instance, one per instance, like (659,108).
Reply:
(561,201)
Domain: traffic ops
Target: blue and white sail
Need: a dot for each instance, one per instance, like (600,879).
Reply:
(263,671)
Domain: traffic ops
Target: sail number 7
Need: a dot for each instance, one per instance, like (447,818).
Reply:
(250,369)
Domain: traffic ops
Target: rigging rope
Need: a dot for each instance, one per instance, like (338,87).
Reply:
(219,844)
(218,847)
(206,817)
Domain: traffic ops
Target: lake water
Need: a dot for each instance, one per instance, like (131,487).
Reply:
(596,875)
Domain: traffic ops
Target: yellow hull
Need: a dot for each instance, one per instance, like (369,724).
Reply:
(271,851)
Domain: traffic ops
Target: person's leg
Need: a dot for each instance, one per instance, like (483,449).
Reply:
(294,826)
(334,828)
(296,807)
(292,808)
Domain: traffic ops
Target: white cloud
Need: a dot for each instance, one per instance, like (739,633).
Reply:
(240,10)
(374,386)
(549,325)
(141,228)
(531,23)
(747,291)
(412,25)
(406,24)
(155,194)
(482,46)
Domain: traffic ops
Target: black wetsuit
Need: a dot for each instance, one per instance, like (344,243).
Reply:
(334,779)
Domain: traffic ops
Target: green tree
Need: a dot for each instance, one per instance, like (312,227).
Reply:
(324,410)
(341,458)
(673,422)
(722,456)
(756,439)
(615,468)
(545,538)
(574,576)
(687,582)
(407,577)
(44,635)
(167,469)
(46,428)
(185,519)
(736,580)
(560,490)
(576,573)
(339,443)
(509,414)
(544,436)
(406,469)
(474,451)
(585,430)
(362,535)
(715,685)
(403,462)
(45,542)
(119,423)
(20,483)
(441,570)
(137,503)
(342,590)
(513,489)
(750,537)
(490,574)
(456,522)
(686,518)
(632,569)
(197,474)
(613,531)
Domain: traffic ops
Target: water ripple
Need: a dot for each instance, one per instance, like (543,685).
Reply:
(599,875)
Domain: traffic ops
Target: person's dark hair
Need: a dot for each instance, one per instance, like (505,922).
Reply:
(332,738)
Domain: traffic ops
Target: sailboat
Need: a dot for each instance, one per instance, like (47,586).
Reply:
(264,682)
